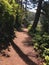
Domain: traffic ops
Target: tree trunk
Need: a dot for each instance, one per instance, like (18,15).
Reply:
(25,5)
(37,15)
(21,3)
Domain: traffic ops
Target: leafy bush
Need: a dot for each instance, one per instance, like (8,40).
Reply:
(41,43)
(18,20)
(47,60)
(41,36)
(10,15)
(7,21)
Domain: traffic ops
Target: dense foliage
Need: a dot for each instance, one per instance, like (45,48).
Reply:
(9,12)
(19,17)
(41,36)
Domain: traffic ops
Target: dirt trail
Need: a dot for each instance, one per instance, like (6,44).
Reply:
(21,53)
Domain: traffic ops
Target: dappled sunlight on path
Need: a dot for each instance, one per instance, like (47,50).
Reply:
(21,51)
(24,42)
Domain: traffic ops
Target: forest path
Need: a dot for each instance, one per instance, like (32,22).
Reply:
(21,51)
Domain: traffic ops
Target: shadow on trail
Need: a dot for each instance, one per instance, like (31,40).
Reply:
(28,41)
(22,55)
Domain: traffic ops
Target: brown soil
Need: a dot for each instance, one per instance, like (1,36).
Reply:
(21,51)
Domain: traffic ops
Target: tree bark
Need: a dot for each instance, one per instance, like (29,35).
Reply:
(37,15)
(25,5)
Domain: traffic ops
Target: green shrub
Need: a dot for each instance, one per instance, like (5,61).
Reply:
(19,16)
(47,60)
(7,18)
(40,41)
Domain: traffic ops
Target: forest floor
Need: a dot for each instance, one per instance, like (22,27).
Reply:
(21,51)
